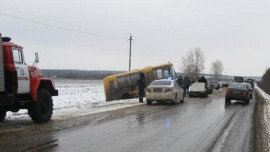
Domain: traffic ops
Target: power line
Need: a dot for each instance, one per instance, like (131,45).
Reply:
(59,27)
(59,21)
(39,16)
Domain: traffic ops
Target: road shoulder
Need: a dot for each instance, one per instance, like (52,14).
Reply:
(261,124)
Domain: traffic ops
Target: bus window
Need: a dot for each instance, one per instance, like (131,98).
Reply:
(134,77)
(149,77)
(167,73)
(173,74)
(112,89)
(112,85)
(123,81)
(114,92)
(159,73)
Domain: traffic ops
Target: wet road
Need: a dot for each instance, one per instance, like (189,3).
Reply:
(199,124)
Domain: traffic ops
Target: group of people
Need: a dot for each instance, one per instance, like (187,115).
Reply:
(184,83)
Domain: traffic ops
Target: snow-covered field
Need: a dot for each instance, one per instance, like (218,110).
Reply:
(78,98)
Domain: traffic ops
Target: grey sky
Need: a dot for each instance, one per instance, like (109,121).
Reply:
(92,34)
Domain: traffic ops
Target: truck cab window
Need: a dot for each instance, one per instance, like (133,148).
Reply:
(17,56)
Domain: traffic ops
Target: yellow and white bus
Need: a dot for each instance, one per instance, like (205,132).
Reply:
(124,85)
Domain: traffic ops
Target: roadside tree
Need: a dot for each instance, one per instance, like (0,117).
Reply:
(217,69)
(193,63)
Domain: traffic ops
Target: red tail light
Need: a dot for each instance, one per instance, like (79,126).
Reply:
(244,92)
(148,90)
(168,90)
(228,91)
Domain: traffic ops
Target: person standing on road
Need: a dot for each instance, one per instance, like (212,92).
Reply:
(180,80)
(186,83)
(141,84)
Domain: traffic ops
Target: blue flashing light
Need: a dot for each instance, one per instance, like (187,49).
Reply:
(168,122)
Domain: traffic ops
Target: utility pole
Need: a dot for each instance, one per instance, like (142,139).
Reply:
(130,40)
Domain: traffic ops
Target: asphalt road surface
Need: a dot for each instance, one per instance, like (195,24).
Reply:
(198,124)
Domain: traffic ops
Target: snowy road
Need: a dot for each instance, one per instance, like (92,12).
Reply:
(196,125)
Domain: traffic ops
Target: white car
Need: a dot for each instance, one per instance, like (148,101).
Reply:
(164,90)
(199,89)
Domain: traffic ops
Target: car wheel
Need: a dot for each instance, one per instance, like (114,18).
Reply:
(183,98)
(41,111)
(2,115)
(227,101)
(246,101)
(204,95)
(175,99)
(148,102)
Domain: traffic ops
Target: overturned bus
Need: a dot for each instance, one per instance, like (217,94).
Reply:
(124,85)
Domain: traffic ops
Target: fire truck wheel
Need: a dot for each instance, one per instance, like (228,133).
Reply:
(41,111)
(2,115)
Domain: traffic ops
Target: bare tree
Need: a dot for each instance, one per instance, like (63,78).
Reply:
(217,69)
(193,63)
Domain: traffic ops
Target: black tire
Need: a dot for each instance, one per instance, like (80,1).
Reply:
(175,99)
(140,99)
(183,100)
(246,101)
(2,115)
(204,95)
(41,111)
(227,101)
(148,102)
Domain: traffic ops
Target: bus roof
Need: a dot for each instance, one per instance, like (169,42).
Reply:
(137,70)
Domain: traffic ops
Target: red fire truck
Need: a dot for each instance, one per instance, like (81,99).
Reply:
(23,86)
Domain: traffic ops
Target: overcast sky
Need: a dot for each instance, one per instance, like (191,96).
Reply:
(93,34)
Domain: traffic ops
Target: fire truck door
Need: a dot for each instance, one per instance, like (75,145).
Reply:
(22,71)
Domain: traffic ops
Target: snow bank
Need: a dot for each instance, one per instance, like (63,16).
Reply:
(267,109)
(262,93)
(78,98)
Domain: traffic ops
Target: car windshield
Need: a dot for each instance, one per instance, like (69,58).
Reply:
(237,85)
(161,82)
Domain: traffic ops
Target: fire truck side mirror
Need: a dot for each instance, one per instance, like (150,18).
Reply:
(36,58)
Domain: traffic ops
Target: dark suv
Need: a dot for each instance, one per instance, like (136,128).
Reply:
(214,84)
(251,82)
(239,91)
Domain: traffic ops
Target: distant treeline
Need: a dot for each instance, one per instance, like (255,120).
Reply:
(77,74)
(99,74)
(265,82)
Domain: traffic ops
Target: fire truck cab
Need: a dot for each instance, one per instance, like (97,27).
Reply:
(23,86)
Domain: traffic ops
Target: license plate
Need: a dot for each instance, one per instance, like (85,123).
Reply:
(157,90)
(235,92)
